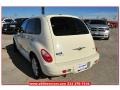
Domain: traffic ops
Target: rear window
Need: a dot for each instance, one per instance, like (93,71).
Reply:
(8,20)
(68,26)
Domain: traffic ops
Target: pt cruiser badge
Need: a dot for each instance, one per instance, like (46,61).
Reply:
(79,48)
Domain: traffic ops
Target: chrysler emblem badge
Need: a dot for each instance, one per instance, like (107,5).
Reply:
(79,48)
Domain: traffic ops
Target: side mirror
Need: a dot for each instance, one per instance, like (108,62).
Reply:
(19,30)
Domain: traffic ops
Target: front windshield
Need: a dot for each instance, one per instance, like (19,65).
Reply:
(98,22)
(8,20)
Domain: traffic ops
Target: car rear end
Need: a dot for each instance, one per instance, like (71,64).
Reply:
(73,47)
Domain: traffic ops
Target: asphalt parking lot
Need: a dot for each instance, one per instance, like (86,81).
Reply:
(17,70)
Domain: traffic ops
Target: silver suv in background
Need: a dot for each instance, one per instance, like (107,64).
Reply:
(99,28)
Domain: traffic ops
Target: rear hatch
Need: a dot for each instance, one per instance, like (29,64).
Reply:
(71,39)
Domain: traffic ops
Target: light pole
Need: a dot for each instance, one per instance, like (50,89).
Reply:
(43,10)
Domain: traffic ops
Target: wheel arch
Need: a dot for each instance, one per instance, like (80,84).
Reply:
(32,54)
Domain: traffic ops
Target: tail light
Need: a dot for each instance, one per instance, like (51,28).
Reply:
(64,71)
(97,61)
(46,56)
(96,49)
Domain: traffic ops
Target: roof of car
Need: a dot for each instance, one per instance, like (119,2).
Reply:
(58,15)
(20,18)
(62,15)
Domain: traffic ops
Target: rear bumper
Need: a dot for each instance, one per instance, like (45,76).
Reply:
(71,66)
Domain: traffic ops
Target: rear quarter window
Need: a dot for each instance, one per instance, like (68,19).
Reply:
(63,26)
(33,26)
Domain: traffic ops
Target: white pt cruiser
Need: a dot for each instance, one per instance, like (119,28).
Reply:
(56,45)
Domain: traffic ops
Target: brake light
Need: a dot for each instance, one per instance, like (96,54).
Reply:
(97,61)
(46,56)
(64,71)
(96,49)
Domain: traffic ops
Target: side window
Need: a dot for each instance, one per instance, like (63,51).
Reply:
(33,26)
(23,26)
(37,26)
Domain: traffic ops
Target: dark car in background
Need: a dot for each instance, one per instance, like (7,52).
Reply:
(8,26)
(18,22)
(99,28)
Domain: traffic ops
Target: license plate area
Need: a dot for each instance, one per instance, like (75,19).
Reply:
(96,33)
(82,67)
(12,25)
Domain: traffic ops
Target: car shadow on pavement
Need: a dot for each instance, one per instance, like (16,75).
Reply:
(20,62)
(99,39)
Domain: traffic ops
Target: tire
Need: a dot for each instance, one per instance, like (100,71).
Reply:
(15,47)
(35,67)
